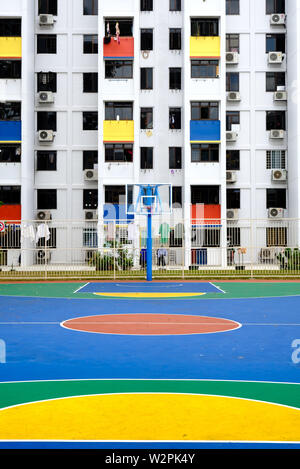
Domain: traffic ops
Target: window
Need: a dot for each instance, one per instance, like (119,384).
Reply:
(90,82)
(90,199)
(46,199)
(211,237)
(90,238)
(121,110)
(89,159)
(176,196)
(47,81)
(90,7)
(204,153)
(90,121)
(146,118)
(90,44)
(204,27)
(47,7)
(175,78)
(232,160)
(118,69)
(175,5)
(204,111)
(204,68)
(146,39)
(46,120)
(275,43)
(276,198)
(175,158)
(232,81)
(232,7)
(232,43)
(175,39)
(10,194)
(114,194)
(10,27)
(10,153)
(233,236)
(146,5)
(275,120)
(274,80)
(46,44)
(276,236)
(275,6)
(205,195)
(232,118)
(175,118)
(146,158)
(10,111)
(276,159)
(118,152)
(46,160)
(146,78)
(233,198)
(10,69)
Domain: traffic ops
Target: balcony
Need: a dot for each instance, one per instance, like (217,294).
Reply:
(203,131)
(10,47)
(121,131)
(205,214)
(10,131)
(10,212)
(208,47)
(114,50)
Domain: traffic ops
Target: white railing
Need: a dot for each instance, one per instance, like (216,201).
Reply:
(84,249)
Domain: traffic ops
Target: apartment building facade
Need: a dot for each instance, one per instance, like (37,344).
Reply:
(199,94)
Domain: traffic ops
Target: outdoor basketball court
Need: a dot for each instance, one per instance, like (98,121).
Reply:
(138,364)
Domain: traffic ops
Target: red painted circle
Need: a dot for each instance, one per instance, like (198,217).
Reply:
(150,324)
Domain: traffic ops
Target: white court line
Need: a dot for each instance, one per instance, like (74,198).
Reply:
(141,322)
(78,289)
(220,289)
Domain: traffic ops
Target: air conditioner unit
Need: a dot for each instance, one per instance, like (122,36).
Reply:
(232,58)
(46,136)
(91,214)
(277,18)
(145,54)
(43,215)
(275,213)
(277,133)
(233,96)
(231,136)
(275,57)
(91,174)
(43,256)
(231,176)
(279,175)
(46,97)
(46,20)
(280,96)
(232,214)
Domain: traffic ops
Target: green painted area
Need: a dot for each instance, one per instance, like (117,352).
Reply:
(25,392)
(231,289)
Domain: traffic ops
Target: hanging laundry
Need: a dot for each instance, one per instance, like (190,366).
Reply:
(110,232)
(27,232)
(133,232)
(107,29)
(118,32)
(164,231)
(42,232)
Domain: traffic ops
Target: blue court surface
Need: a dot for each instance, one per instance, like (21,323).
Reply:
(185,287)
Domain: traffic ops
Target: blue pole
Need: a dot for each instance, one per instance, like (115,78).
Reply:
(149,246)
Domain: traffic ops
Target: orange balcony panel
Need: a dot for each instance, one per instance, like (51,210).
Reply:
(10,213)
(204,214)
(124,49)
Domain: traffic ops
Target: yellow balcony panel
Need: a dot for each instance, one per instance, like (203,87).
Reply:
(205,47)
(10,47)
(118,131)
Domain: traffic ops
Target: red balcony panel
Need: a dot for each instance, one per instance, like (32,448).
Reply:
(122,49)
(10,213)
(202,214)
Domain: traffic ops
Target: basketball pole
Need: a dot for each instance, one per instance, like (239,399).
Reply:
(149,245)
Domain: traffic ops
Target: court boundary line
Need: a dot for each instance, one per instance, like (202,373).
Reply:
(78,289)
(218,288)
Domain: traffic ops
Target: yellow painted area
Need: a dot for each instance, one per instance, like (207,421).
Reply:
(151,417)
(118,131)
(149,295)
(205,46)
(10,47)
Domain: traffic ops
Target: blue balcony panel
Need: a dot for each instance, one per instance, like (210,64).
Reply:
(205,131)
(10,131)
